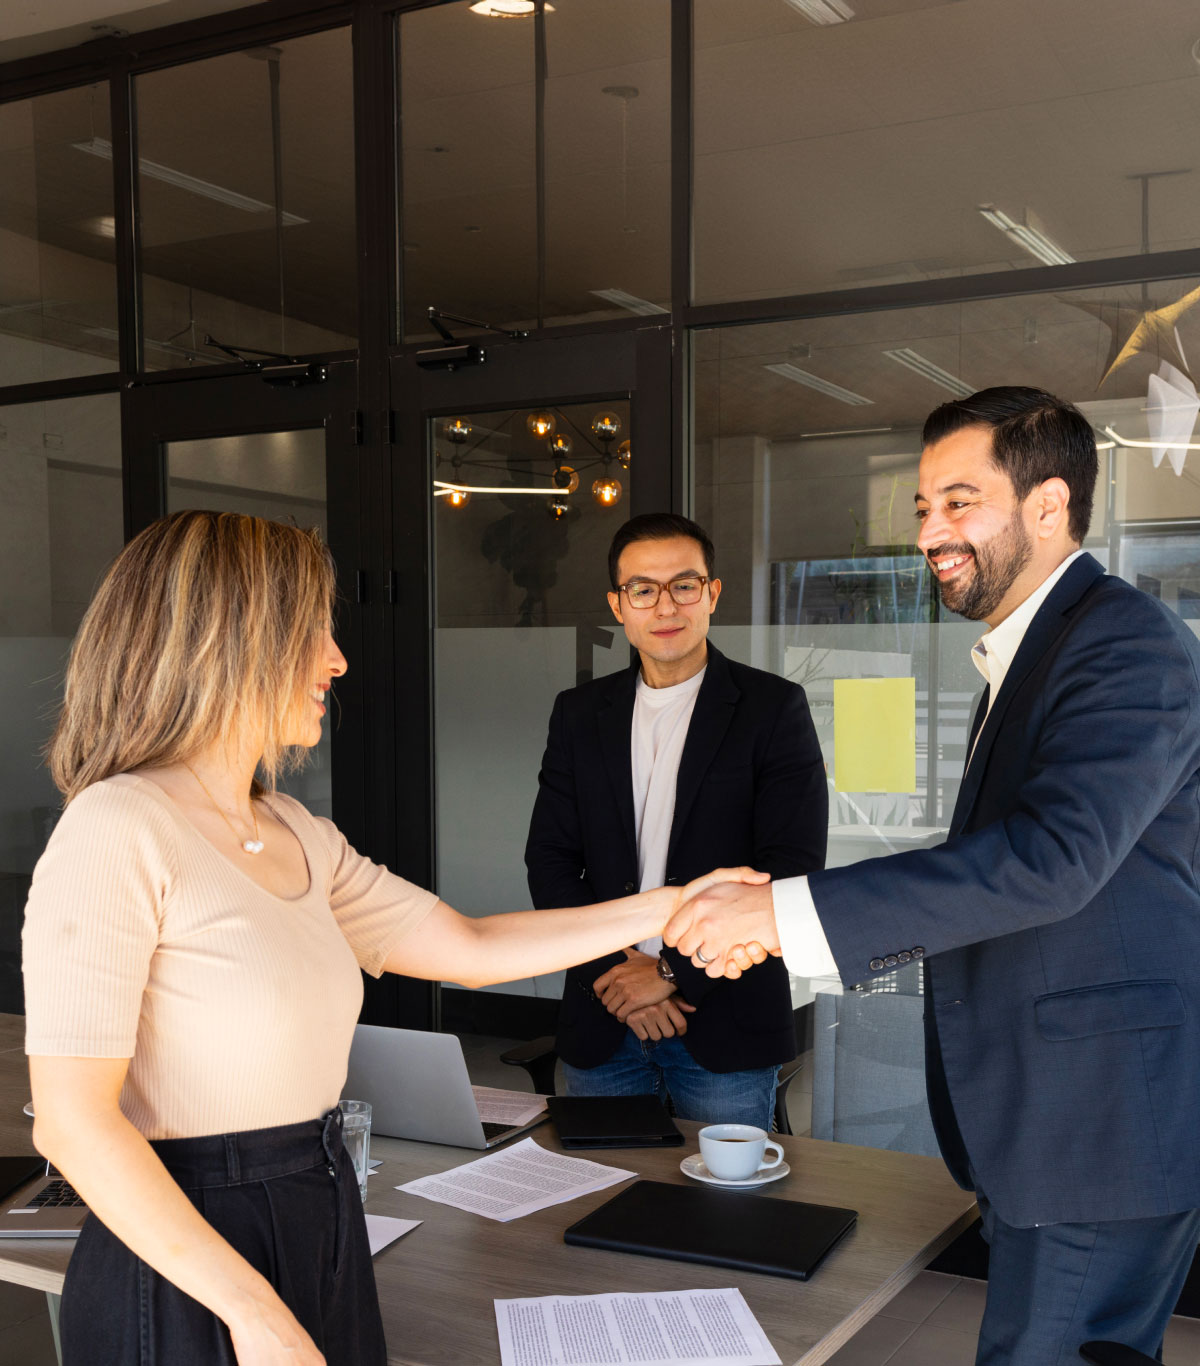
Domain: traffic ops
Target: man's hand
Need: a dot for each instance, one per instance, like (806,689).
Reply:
(663,1021)
(725,927)
(631,985)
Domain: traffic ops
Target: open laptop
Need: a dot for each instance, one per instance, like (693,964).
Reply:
(418,1087)
(37,1204)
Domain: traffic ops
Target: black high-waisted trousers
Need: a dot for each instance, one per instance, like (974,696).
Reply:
(287,1200)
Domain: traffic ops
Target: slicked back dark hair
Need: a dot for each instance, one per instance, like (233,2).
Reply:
(658,526)
(1035,437)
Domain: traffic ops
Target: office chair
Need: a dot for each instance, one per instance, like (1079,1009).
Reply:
(1114,1354)
(538,1058)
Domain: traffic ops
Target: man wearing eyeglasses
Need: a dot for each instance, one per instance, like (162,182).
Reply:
(683,762)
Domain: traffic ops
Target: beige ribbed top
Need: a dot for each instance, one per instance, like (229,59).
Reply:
(235,1007)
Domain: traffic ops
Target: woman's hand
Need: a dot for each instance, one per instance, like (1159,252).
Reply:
(268,1334)
(718,875)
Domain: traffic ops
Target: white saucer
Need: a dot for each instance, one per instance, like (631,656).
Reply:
(694,1167)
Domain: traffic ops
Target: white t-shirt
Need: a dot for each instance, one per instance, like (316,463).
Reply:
(661,717)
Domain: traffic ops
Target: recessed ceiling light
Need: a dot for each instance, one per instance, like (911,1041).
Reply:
(822,386)
(920,365)
(642,307)
(1028,236)
(822,11)
(154,170)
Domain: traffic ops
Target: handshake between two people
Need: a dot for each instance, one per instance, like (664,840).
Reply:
(725,921)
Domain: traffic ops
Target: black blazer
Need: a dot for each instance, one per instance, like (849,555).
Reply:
(751,790)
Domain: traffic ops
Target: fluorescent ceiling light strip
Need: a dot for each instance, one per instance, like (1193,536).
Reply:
(822,386)
(822,11)
(1032,240)
(1152,445)
(920,365)
(101,147)
(441,487)
(642,307)
(845,431)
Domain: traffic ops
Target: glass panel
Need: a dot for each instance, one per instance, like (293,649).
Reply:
(468,87)
(280,475)
(58,295)
(61,523)
(247,202)
(807,440)
(521,594)
(848,144)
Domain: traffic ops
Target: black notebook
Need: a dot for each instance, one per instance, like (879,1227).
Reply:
(613,1122)
(740,1229)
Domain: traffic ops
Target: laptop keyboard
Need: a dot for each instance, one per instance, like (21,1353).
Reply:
(55,1193)
(492,1130)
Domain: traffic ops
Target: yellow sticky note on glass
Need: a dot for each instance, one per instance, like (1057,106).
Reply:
(875,734)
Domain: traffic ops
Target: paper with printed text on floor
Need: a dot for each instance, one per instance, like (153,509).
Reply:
(507,1107)
(516,1181)
(382,1230)
(677,1327)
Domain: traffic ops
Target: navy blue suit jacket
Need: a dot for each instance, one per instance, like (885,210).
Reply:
(1061,920)
(751,790)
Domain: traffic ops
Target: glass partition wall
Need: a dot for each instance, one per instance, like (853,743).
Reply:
(826,216)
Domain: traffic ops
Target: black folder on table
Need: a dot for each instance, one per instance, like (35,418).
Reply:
(613,1122)
(740,1229)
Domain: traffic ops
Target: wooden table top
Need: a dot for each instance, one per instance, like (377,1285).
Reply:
(437,1283)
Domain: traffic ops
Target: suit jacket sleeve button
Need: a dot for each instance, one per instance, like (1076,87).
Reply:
(876,965)
(891,961)
(918,952)
(904,956)
(629,887)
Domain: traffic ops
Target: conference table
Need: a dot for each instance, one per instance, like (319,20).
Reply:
(437,1284)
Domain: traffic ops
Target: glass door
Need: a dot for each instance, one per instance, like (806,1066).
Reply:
(526,470)
(239,444)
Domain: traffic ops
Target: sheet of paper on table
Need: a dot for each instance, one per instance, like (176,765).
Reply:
(516,1181)
(507,1107)
(678,1327)
(382,1230)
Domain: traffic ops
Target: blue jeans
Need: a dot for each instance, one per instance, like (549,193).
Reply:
(1054,1287)
(664,1066)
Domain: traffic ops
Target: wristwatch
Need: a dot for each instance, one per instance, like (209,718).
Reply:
(665,971)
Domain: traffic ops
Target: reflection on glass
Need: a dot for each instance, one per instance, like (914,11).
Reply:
(279,475)
(58,299)
(521,614)
(469,118)
(61,523)
(247,214)
(893,143)
(809,500)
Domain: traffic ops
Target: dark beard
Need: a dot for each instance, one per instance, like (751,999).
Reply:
(996,567)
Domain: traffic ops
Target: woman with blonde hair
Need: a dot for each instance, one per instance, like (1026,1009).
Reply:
(192,948)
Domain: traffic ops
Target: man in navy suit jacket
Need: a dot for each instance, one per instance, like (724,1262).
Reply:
(1060,922)
(683,761)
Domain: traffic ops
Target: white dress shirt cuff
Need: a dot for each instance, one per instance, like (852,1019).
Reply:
(805,949)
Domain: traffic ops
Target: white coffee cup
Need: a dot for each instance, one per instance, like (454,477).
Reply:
(734,1152)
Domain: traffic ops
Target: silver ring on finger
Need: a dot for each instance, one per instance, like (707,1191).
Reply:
(701,958)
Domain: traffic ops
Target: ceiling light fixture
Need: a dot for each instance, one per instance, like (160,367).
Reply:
(154,170)
(642,307)
(1151,445)
(508,9)
(845,431)
(443,489)
(919,365)
(1028,236)
(822,386)
(822,11)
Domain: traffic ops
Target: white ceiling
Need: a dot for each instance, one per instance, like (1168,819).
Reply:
(28,27)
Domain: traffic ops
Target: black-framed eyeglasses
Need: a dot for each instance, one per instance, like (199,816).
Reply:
(684,591)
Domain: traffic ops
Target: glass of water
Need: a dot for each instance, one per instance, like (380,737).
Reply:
(356,1136)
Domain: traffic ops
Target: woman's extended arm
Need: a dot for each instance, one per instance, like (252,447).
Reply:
(80,1128)
(447,946)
